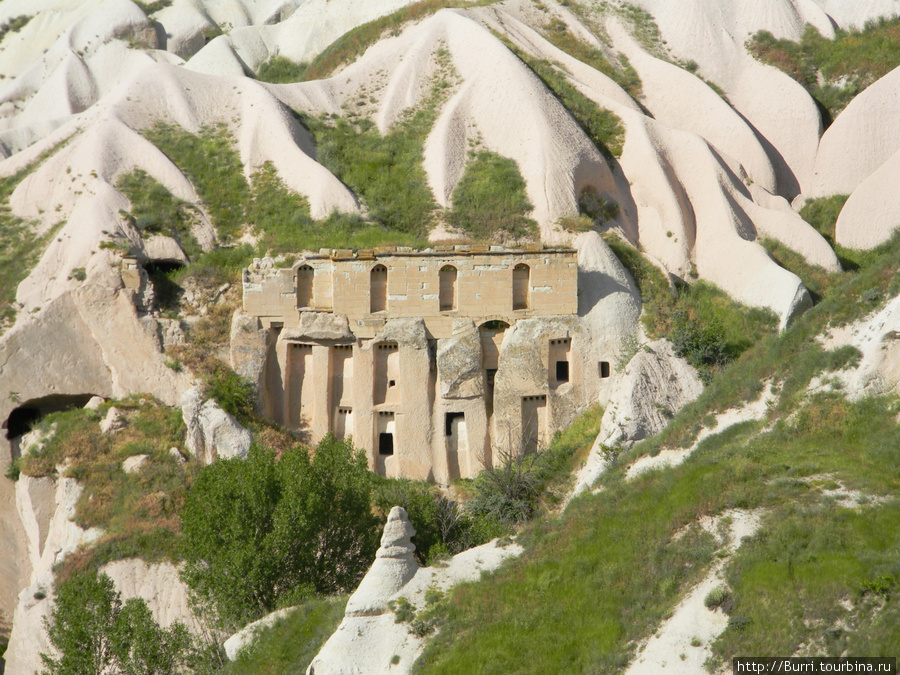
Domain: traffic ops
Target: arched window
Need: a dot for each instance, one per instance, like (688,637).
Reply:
(305,286)
(378,289)
(448,288)
(521,286)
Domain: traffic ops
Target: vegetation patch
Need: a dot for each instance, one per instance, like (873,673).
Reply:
(92,631)
(211,163)
(282,221)
(293,642)
(20,246)
(385,171)
(602,126)
(706,327)
(13,25)
(279,70)
(154,210)
(489,201)
(622,73)
(262,534)
(621,574)
(137,511)
(611,568)
(149,8)
(834,71)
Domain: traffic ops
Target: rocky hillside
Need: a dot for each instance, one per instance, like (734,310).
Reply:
(739,160)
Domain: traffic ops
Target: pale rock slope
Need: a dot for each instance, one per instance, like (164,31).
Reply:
(157,584)
(655,386)
(555,157)
(609,303)
(859,155)
(872,213)
(856,14)
(302,31)
(681,100)
(862,138)
(682,201)
(713,36)
(63,60)
(46,507)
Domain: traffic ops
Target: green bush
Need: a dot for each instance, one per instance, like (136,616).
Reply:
(235,394)
(490,199)
(13,25)
(717,597)
(213,166)
(260,532)
(14,469)
(385,171)
(149,8)
(93,632)
(511,492)
(279,70)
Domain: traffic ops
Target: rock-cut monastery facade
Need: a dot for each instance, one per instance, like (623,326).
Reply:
(436,362)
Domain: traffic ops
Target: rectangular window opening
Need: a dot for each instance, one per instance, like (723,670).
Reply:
(385,443)
(604,369)
(448,421)
(562,371)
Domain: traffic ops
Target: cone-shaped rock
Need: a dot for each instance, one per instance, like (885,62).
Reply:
(394,566)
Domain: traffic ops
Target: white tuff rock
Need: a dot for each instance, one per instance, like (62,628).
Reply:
(369,640)
(211,432)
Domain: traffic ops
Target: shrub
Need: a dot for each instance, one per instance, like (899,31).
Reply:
(490,199)
(259,531)
(235,394)
(717,597)
(14,25)
(279,70)
(385,171)
(14,469)
(213,166)
(93,632)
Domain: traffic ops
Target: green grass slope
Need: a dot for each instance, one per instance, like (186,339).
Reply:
(819,577)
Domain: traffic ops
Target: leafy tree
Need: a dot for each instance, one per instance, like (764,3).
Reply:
(92,632)
(261,532)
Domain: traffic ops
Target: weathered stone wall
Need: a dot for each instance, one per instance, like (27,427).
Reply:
(342,283)
(448,378)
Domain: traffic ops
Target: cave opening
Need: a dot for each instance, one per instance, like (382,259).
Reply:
(26,416)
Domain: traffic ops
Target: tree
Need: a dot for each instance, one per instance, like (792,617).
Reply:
(259,531)
(92,632)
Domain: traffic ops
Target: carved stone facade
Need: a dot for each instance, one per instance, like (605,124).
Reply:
(436,362)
